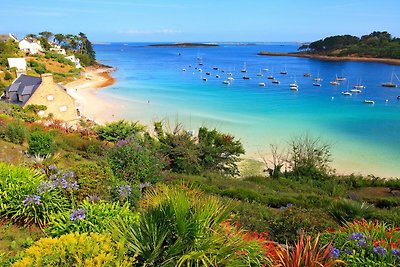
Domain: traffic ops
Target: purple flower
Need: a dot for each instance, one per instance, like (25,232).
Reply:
(124,191)
(44,187)
(357,236)
(53,167)
(361,243)
(348,251)
(32,200)
(379,250)
(396,252)
(78,214)
(334,252)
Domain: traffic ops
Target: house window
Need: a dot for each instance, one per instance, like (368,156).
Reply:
(50,97)
(41,112)
(63,108)
(20,98)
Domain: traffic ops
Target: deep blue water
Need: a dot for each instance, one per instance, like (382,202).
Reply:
(365,138)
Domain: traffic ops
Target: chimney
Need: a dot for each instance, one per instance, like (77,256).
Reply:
(47,78)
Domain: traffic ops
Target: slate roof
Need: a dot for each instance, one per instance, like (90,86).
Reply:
(24,85)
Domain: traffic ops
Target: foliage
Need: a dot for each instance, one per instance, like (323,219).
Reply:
(96,216)
(309,157)
(348,210)
(16,132)
(7,76)
(306,252)
(20,199)
(8,49)
(18,112)
(40,143)
(135,163)
(76,250)
(38,67)
(367,243)
(119,130)
(182,227)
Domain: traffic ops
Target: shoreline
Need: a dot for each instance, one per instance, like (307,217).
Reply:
(85,92)
(390,61)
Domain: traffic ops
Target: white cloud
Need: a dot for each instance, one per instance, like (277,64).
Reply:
(150,32)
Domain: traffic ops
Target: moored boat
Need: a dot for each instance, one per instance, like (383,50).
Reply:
(275,81)
(217,76)
(294,88)
(261,84)
(357,91)
(334,83)
(346,93)
(366,101)
(226,82)
(317,84)
(307,74)
(246,78)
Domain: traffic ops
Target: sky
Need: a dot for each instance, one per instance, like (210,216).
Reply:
(201,20)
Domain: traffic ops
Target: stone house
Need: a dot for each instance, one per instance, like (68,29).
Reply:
(29,90)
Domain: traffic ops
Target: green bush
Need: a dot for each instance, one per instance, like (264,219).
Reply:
(119,130)
(347,210)
(135,163)
(22,198)
(40,143)
(91,217)
(7,76)
(16,132)
(79,250)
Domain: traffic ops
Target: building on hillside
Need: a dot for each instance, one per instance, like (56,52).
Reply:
(75,60)
(30,46)
(6,37)
(29,90)
(57,49)
(19,64)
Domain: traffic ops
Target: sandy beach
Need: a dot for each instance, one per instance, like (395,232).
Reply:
(85,92)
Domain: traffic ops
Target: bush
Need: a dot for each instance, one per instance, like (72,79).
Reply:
(348,210)
(7,76)
(21,197)
(16,132)
(76,249)
(135,163)
(90,217)
(119,130)
(40,143)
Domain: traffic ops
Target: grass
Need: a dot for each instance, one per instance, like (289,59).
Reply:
(11,153)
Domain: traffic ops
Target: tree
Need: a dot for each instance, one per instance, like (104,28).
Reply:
(59,38)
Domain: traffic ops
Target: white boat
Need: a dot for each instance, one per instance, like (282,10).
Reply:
(261,84)
(230,78)
(183,69)
(265,69)
(246,77)
(317,84)
(391,84)
(270,77)
(294,88)
(284,71)
(244,68)
(359,85)
(200,70)
(346,93)
(357,91)
(226,82)
(307,74)
(217,76)
(366,101)
(334,83)
(260,74)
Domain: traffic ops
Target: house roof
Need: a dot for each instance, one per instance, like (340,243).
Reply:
(24,85)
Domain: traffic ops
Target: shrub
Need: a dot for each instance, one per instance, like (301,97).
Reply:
(119,130)
(21,199)
(40,143)
(91,216)
(76,249)
(7,76)
(348,210)
(135,163)
(16,132)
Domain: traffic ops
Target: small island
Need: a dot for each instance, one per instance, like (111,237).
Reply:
(184,45)
(375,47)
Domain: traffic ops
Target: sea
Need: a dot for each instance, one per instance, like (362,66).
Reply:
(165,83)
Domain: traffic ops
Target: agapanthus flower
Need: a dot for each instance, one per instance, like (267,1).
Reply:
(335,252)
(32,200)
(144,185)
(348,251)
(78,214)
(44,187)
(357,236)
(53,167)
(361,243)
(396,252)
(379,250)
(124,191)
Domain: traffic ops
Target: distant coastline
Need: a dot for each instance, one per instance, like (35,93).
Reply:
(391,61)
(185,45)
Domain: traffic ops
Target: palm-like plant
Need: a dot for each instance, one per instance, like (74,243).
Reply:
(182,227)
(306,252)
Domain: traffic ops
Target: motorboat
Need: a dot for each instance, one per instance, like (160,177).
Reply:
(317,84)
(226,82)
(346,93)
(261,84)
(357,91)
(366,101)
(275,81)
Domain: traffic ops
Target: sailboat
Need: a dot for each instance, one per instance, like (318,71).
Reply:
(318,79)
(284,71)
(357,88)
(341,78)
(390,84)
(294,85)
(260,73)
(244,68)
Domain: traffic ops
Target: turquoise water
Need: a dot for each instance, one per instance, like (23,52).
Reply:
(365,138)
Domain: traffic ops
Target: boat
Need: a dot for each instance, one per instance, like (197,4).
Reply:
(294,84)
(359,85)
(222,70)
(230,79)
(398,97)
(226,82)
(217,76)
(340,78)
(208,73)
(307,74)
(369,101)
(317,84)
(284,71)
(200,70)
(265,69)
(183,69)
(200,64)
(190,66)
(270,77)
(244,68)
(246,77)
(294,88)
(205,79)
(357,91)
(260,74)
(334,82)
(390,84)
(346,93)
(229,74)
(275,81)
(215,68)
(261,84)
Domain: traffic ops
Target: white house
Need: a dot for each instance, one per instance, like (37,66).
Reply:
(57,49)
(75,60)
(30,45)
(18,63)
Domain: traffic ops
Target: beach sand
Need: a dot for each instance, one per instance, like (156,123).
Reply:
(85,92)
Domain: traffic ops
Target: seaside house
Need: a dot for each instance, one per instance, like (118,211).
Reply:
(30,46)
(75,60)
(57,49)
(27,90)
(6,37)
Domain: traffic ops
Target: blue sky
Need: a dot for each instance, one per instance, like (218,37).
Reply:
(201,20)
